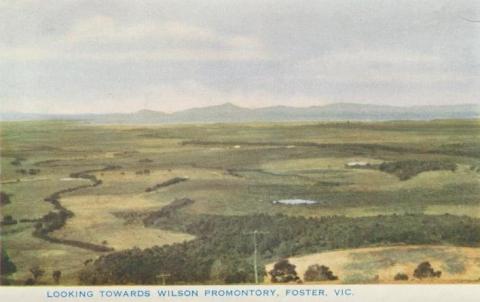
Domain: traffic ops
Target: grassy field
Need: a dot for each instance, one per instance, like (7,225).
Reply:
(98,224)
(234,169)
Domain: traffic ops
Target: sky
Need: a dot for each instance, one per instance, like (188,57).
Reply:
(123,56)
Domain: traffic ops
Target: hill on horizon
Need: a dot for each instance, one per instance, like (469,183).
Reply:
(231,113)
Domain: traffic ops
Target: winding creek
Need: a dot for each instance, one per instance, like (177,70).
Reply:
(55,220)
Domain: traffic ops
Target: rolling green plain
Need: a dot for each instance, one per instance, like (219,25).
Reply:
(235,171)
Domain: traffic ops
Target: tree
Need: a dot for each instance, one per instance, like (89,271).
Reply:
(4,198)
(425,270)
(233,270)
(56,276)
(285,249)
(283,271)
(7,267)
(317,272)
(37,272)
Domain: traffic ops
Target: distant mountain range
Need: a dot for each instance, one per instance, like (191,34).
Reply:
(230,113)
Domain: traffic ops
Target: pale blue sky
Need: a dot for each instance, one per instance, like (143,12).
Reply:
(122,56)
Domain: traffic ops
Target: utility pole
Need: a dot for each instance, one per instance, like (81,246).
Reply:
(163,277)
(254,233)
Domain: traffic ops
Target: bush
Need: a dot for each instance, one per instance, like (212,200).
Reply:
(401,277)
(317,272)
(29,281)
(283,271)
(56,276)
(16,162)
(425,270)
(37,272)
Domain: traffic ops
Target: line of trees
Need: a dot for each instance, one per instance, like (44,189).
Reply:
(407,169)
(167,183)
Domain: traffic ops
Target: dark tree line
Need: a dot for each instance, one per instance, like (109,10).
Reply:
(167,183)
(407,169)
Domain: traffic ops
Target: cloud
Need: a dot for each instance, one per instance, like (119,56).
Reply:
(381,66)
(104,29)
(102,38)
(124,55)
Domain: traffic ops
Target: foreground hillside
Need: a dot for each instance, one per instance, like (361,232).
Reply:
(74,192)
(382,264)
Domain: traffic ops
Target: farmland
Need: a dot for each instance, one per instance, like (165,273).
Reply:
(111,183)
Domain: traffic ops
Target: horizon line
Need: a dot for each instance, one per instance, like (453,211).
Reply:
(238,106)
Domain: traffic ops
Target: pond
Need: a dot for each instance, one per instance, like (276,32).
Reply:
(294,201)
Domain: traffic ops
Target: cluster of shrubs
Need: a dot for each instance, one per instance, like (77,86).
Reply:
(283,272)
(145,161)
(143,172)
(28,172)
(407,169)
(38,273)
(17,161)
(167,212)
(423,270)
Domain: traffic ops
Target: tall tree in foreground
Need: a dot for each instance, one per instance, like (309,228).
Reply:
(425,270)
(283,271)
(317,272)
(7,267)
(56,276)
